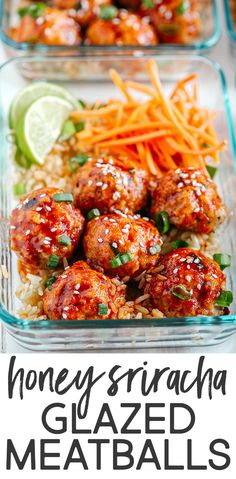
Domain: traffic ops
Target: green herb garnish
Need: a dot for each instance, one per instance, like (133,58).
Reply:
(224,299)
(63,197)
(223,260)
(162,222)
(65,240)
(102,309)
(155,249)
(19,189)
(179,244)
(181,292)
(77,161)
(183,7)
(53,261)
(108,12)
(34,11)
(211,170)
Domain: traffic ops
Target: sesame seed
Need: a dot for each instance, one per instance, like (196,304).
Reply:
(66,308)
(77,286)
(145,218)
(182,260)
(189,260)
(124,230)
(90,182)
(188,266)
(188,278)
(42,195)
(39,208)
(48,239)
(64,315)
(100,240)
(64,276)
(116,195)
(175,270)
(27,232)
(53,229)
(13,227)
(104,187)
(48,208)
(75,292)
(99,183)
(114,245)
(180,185)
(107,231)
(198,286)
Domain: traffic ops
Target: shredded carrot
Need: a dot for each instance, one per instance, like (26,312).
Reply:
(160,132)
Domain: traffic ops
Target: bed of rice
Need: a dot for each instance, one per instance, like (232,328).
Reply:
(55,172)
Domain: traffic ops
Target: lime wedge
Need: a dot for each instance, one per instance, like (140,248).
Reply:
(40,126)
(27,95)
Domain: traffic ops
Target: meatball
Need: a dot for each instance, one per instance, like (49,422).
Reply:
(171,25)
(188,284)
(108,238)
(83,293)
(126,29)
(42,225)
(53,27)
(191,200)
(110,184)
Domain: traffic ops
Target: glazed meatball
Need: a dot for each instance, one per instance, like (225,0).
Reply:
(126,29)
(172,24)
(109,238)
(53,27)
(191,200)
(83,293)
(188,284)
(42,225)
(110,184)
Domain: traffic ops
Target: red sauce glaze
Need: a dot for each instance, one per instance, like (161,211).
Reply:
(107,236)
(54,27)
(77,293)
(199,275)
(37,224)
(110,184)
(126,29)
(190,198)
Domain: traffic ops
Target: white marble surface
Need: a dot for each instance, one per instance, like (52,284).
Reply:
(221,54)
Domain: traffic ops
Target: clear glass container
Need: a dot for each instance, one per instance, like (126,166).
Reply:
(209,36)
(114,334)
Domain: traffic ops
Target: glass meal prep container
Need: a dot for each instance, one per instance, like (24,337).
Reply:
(210,34)
(41,335)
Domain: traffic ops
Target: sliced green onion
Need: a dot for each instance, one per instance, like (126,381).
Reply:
(77,161)
(102,309)
(224,299)
(223,260)
(121,259)
(115,262)
(181,292)
(79,126)
(93,213)
(169,28)
(65,240)
(82,104)
(183,7)
(68,130)
(19,189)
(108,12)
(50,281)
(126,258)
(148,4)
(162,222)
(154,249)
(21,160)
(211,170)
(53,261)
(33,11)
(179,244)
(63,197)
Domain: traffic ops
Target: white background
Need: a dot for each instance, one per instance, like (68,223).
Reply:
(21,420)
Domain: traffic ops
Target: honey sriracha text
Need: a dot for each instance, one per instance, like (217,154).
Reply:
(133,413)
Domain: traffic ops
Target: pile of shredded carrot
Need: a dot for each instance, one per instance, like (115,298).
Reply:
(159,132)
